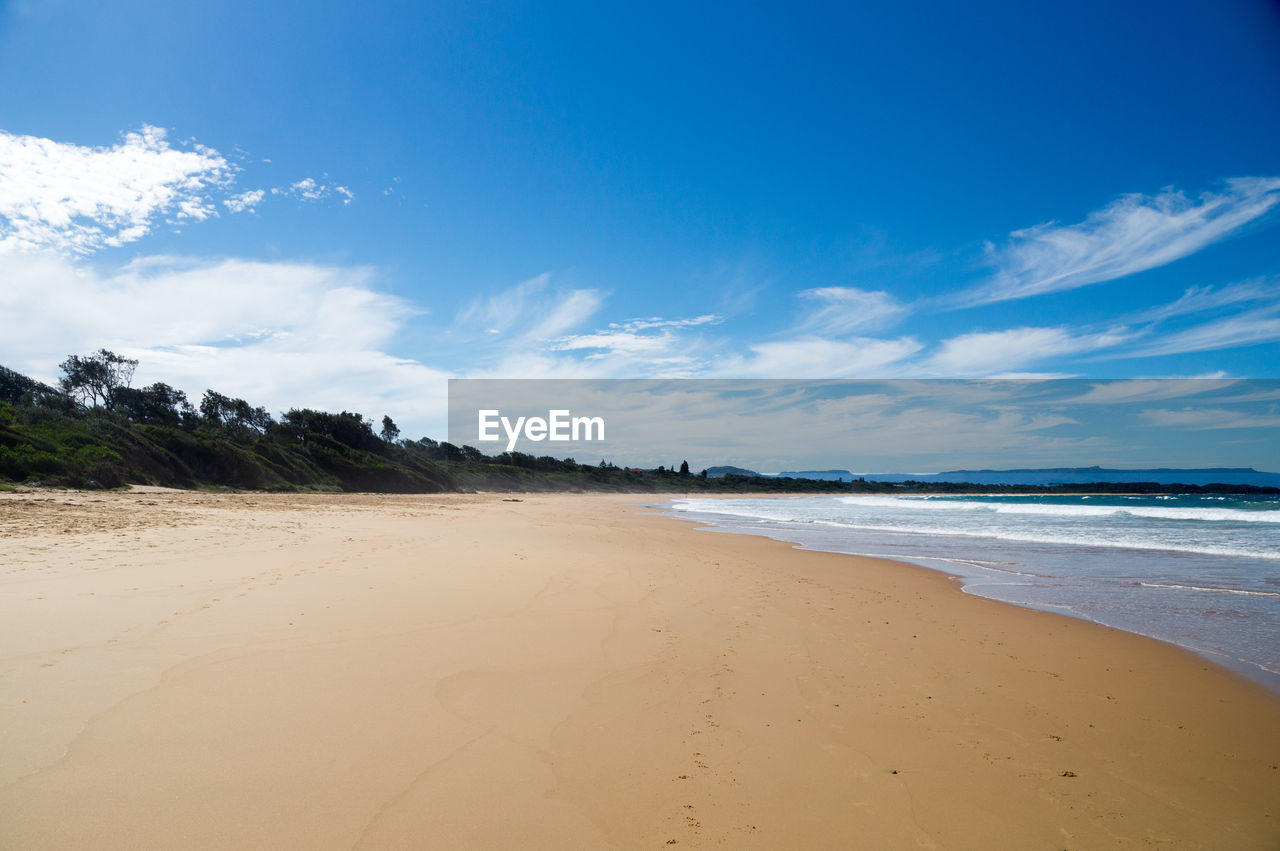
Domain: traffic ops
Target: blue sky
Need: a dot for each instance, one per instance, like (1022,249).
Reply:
(340,207)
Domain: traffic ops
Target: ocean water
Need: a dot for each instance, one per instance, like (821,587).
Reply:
(1198,570)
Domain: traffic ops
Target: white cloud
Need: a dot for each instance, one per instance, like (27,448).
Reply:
(1132,234)
(842,310)
(659,322)
(245,201)
(624,342)
(531,311)
(73,199)
(1209,418)
(1148,390)
(70,198)
(818,357)
(633,345)
(1201,299)
(989,353)
(276,334)
(499,312)
(309,189)
(1244,329)
(573,308)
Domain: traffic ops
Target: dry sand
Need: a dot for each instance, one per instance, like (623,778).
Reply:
(259,671)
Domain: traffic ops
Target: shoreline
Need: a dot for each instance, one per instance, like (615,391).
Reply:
(968,564)
(364,670)
(1249,671)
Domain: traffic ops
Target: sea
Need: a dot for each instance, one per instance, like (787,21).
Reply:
(1198,570)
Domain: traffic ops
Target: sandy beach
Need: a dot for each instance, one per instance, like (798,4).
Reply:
(200,670)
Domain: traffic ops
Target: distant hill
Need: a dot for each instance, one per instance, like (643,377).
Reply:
(822,475)
(721,472)
(1084,476)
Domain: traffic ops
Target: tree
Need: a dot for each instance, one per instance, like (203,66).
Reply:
(389,430)
(684,468)
(158,404)
(349,429)
(17,389)
(235,416)
(94,380)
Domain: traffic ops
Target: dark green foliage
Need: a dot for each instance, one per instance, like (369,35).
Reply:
(158,404)
(152,435)
(17,389)
(390,431)
(233,416)
(346,428)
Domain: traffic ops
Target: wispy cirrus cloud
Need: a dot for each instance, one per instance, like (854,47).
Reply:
(639,343)
(1130,235)
(837,311)
(1206,298)
(530,313)
(1147,390)
(819,357)
(1250,327)
(658,322)
(988,353)
(1202,418)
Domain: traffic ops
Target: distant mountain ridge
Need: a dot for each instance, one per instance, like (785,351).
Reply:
(1063,476)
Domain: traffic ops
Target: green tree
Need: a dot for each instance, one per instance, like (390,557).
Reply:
(349,429)
(94,380)
(158,404)
(390,432)
(235,416)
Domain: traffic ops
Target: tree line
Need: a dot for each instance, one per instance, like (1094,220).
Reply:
(95,429)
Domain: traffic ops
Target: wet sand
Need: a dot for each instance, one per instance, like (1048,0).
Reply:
(201,670)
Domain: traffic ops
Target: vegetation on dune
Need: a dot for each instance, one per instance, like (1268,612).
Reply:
(95,430)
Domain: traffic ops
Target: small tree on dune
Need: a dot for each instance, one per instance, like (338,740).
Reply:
(390,432)
(94,379)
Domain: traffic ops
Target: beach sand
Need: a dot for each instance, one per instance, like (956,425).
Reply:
(285,671)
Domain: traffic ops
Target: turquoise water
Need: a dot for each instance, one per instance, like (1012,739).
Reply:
(1198,570)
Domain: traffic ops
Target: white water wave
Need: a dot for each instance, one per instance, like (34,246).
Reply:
(1239,515)
(1243,591)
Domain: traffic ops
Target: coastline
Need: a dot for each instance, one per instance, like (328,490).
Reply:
(358,671)
(1076,569)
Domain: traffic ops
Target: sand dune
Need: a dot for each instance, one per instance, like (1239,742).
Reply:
(199,670)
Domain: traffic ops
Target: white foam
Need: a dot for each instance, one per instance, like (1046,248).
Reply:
(1238,515)
(1242,591)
